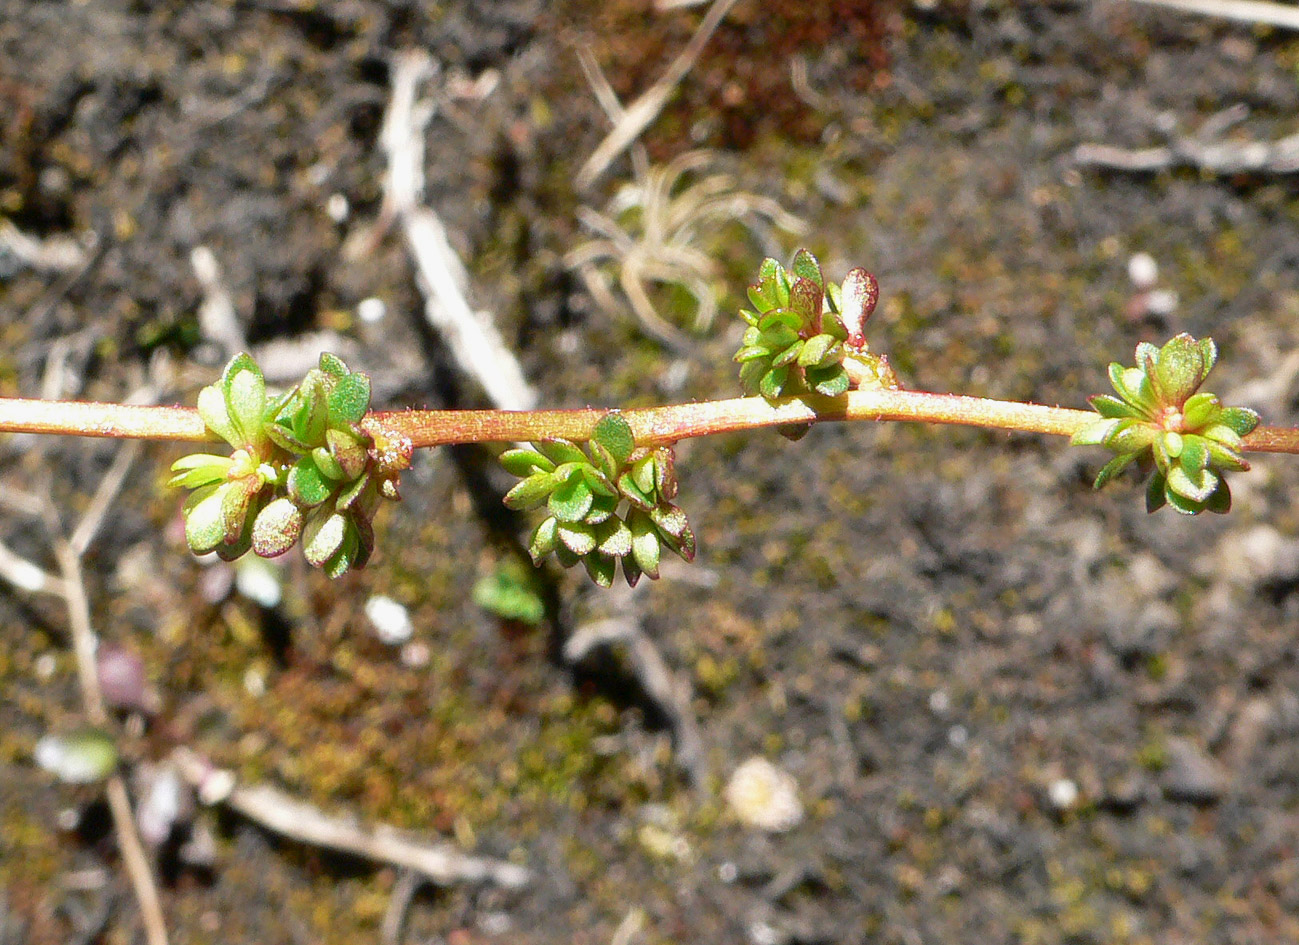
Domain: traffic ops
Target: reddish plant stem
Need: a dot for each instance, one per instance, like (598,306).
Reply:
(124,421)
(657,425)
(651,425)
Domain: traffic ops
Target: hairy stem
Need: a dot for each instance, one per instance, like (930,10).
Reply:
(651,425)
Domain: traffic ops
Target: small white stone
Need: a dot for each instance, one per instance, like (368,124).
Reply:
(1143,270)
(1161,302)
(957,736)
(1063,793)
(416,655)
(371,310)
(390,620)
(764,796)
(45,666)
(255,683)
(259,581)
(337,207)
(939,702)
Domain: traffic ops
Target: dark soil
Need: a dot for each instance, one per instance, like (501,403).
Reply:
(1017,711)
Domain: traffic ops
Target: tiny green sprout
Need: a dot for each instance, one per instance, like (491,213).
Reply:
(308,465)
(610,504)
(791,347)
(1183,437)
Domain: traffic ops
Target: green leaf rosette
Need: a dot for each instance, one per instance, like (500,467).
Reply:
(1183,438)
(608,506)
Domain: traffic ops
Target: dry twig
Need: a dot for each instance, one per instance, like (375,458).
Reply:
(70,586)
(471,336)
(1283,15)
(1216,157)
(289,817)
(669,696)
(638,115)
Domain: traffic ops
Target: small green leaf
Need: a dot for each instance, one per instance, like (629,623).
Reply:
(630,488)
(531,492)
(603,460)
(1181,368)
(561,451)
(236,505)
(669,519)
(245,397)
(82,757)
(806,298)
(752,353)
(353,491)
(645,543)
(326,463)
(1155,492)
(789,355)
(333,365)
(1195,455)
(816,350)
(1225,458)
(1241,420)
(1220,502)
(198,469)
(1199,410)
(571,500)
(597,481)
(347,450)
(509,593)
(543,539)
(345,558)
(614,434)
(212,408)
(577,538)
(1196,488)
(276,528)
(322,536)
(349,400)
(1111,407)
(1180,503)
(805,266)
(780,323)
(1113,468)
(204,524)
(283,437)
(601,568)
(1130,436)
(1094,433)
(829,381)
(773,383)
(602,507)
(613,538)
(1224,436)
(307,485)
(524,462)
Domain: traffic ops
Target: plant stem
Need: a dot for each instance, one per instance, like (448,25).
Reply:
(125,421)
(651,425)
(657,425)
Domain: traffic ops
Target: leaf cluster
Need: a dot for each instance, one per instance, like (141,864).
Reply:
(805,335)
(1184,438)
(609,504)
(307,465)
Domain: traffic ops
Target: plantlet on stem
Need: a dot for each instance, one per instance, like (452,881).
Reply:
(308,465)
(612,505)
(1183,438)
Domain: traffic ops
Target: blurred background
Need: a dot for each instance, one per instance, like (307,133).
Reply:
(990,705)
